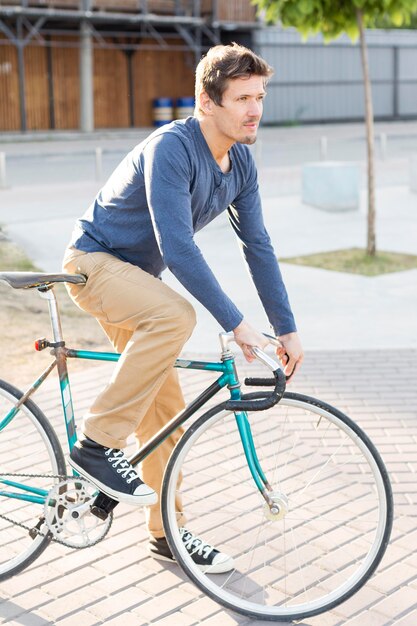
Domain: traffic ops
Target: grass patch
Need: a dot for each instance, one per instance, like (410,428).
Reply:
(12,258)
(356,261)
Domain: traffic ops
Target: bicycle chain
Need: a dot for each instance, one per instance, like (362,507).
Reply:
(37,531)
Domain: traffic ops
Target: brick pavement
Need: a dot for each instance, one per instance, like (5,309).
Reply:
(115,582)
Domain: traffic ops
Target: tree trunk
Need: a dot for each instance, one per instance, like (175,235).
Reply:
(369,116)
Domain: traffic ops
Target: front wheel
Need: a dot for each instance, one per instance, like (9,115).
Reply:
(30,455)
(334,497)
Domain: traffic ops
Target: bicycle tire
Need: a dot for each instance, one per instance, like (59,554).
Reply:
(28,445)
(339,516)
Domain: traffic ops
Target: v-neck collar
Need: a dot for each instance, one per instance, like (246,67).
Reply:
(202,141)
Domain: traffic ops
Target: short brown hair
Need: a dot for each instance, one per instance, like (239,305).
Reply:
(224,63)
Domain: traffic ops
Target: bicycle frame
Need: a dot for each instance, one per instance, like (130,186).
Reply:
(228,378)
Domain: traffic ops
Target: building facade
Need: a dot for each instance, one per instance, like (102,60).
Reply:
(318,82)
(67,64)
(85,64)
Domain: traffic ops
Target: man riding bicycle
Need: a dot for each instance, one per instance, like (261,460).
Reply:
(143,221)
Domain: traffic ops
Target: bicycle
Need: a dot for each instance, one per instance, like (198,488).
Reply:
(288,485)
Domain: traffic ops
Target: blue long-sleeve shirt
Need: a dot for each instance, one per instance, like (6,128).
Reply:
(165,190)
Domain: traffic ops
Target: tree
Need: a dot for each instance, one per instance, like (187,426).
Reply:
(386,23)
(332,18)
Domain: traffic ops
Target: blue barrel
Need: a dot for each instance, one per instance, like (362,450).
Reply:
(184,108)
(163,111)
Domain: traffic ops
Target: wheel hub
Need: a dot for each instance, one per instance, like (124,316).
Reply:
(279,507)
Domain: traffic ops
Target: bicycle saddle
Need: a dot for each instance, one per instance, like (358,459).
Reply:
(27,280)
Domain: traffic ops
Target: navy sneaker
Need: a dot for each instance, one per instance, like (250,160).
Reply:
(205,556)
(110,471)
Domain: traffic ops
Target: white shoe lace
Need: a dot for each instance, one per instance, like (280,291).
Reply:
(195,544)
(119,461)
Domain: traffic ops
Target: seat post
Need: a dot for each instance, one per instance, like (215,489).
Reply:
(48,294)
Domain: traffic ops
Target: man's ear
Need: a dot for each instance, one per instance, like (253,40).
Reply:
(206,103)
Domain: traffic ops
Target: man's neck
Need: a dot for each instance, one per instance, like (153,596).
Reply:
(218,144)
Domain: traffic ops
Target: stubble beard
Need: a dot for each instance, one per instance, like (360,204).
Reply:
(249,141)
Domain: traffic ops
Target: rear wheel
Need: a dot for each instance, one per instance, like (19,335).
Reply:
(28,445)
(334,500)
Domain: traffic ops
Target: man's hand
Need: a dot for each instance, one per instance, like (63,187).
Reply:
(290,354)
(246,337)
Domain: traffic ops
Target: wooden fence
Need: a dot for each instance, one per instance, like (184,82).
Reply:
(125,82)
(230,11)
(224,10)
(9,89)
(52,89)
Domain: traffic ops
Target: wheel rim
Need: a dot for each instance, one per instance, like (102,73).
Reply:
(26,449)
(334,548)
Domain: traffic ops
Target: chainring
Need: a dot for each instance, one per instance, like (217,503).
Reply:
(68,514)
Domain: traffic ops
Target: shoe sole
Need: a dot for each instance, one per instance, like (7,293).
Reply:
(161,557)
(145,500)
(219,568)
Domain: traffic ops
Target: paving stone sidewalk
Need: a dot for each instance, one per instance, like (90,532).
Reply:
(115,582)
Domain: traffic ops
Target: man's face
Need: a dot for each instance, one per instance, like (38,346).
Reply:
(241,111)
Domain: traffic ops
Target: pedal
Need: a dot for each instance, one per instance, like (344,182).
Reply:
(36,530)
(100,513)
(102,506)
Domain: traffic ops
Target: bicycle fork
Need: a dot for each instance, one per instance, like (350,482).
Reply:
(246,437)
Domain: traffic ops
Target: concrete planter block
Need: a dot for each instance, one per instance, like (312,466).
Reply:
(413,173)
(331,185)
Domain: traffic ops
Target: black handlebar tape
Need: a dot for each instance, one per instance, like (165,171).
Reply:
(265,403)
(260,382)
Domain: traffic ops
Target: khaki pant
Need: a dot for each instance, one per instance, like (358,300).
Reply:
(148,323)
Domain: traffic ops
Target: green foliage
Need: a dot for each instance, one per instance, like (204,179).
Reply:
(334,17)
(386,22)
(13,258)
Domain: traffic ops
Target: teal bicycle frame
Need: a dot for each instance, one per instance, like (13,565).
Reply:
(228,378)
